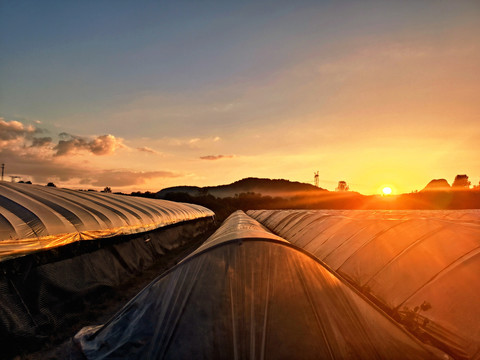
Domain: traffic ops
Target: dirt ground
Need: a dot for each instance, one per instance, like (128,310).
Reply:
(99,307)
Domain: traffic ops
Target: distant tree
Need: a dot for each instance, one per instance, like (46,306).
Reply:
(107,190)
(146,194)
(51,184)
(342,186)
(461,181)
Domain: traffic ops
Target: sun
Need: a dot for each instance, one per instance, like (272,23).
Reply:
(387,190)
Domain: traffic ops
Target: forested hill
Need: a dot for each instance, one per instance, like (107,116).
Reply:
(265,187)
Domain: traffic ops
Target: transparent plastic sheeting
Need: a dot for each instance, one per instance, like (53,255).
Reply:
(34,217)
(257,298)
(422,266)
(239,226)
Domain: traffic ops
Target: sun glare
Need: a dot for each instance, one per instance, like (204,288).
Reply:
(387,190)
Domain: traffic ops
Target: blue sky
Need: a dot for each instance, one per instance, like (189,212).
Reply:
(370,92)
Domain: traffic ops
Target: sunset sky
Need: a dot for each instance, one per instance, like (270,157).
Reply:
(142,95)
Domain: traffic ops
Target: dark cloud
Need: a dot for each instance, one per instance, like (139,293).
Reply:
(38,166)
(40,142)
(126,178)
(101,145)
(216,157)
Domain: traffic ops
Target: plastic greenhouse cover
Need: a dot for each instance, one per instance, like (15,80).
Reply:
(423,266)
(34,217)
(256,298)
(239,226)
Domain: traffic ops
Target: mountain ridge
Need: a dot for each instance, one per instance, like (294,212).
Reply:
(263,186)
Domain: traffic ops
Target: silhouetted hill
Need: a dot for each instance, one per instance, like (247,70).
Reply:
(265,187)
(254,193)
(436,185)
(190,190)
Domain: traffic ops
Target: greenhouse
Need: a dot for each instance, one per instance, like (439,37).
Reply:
(58,246)
(245,294)
(421,267)
(34,217)
(303,284)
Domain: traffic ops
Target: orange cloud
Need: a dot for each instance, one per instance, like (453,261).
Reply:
(101,145)
(41,160)
(15,130)
(216,157)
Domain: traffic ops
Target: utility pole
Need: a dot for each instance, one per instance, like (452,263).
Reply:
(3,170)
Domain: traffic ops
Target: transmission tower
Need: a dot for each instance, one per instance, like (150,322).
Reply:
(315,179)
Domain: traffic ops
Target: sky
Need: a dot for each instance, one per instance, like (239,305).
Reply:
(143,95)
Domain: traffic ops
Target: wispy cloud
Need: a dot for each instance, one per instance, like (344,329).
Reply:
(223,108)
(147,150)
(188,142)
(216,157)
(128,178)
(33,164)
